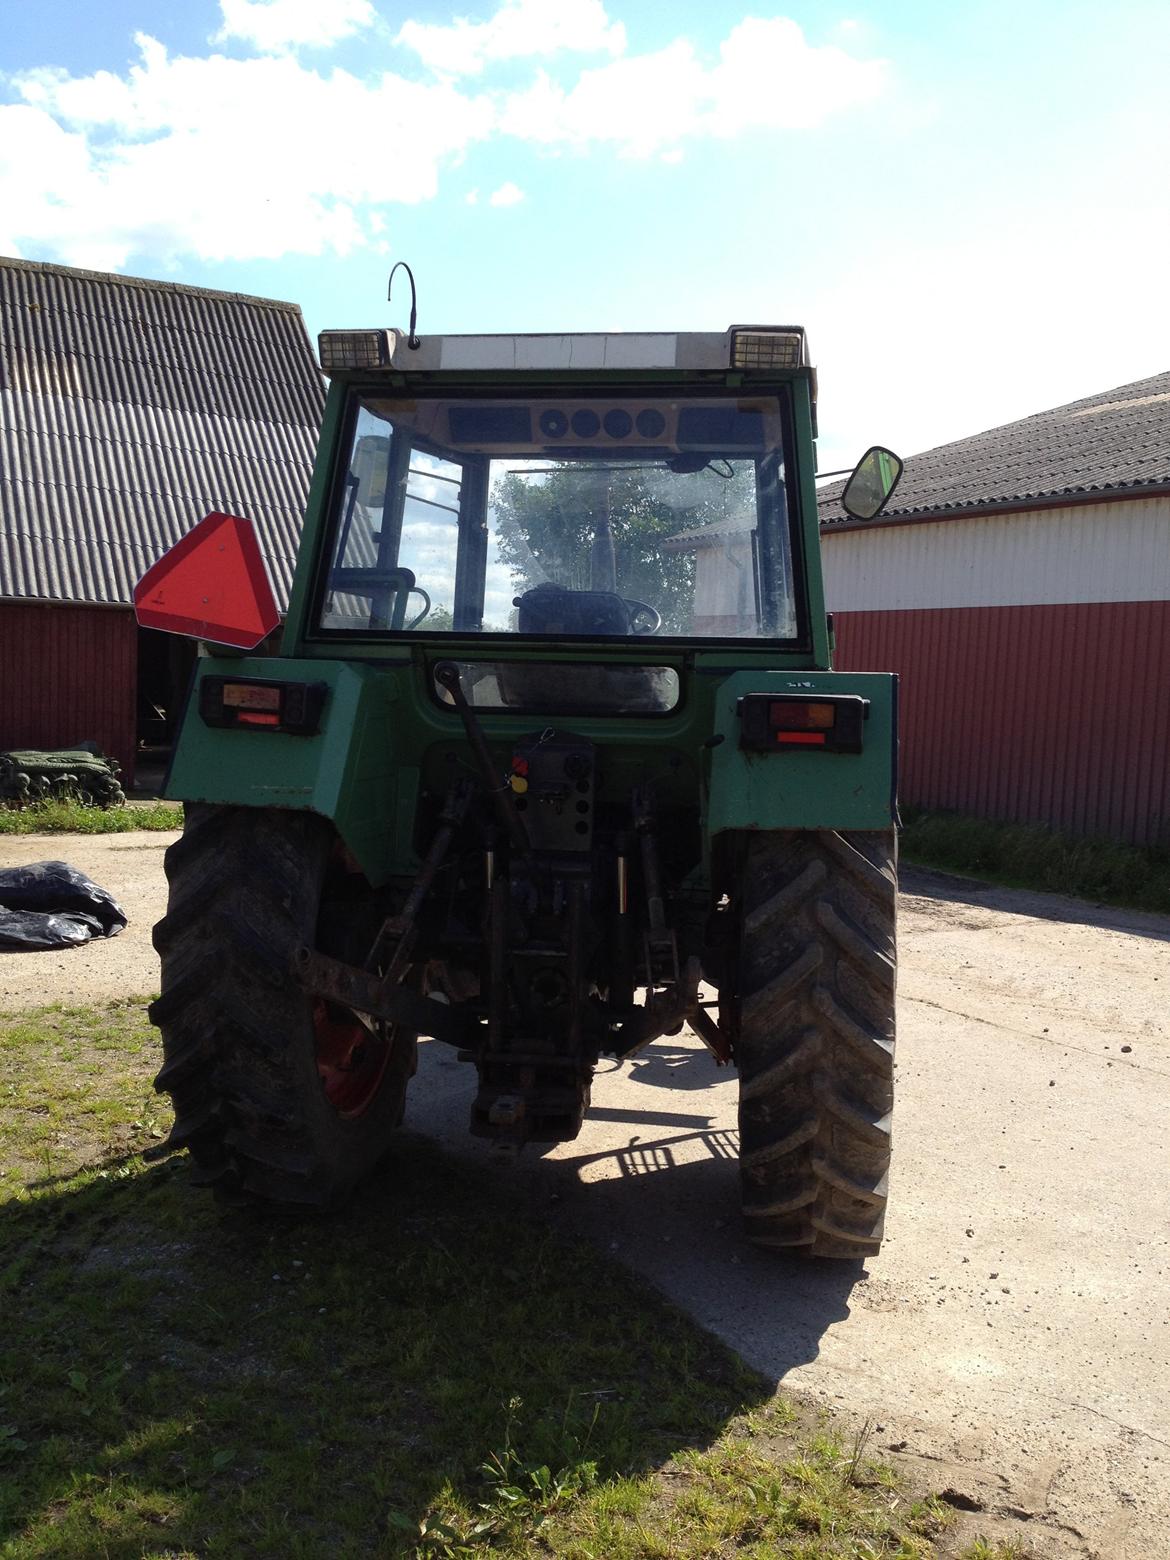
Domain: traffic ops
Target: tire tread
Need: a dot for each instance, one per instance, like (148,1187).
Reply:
(815,1048)
(244,890)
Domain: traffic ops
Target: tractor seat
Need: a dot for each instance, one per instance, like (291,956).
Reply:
(551,609)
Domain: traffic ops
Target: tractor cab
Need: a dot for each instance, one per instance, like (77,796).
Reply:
(568,488)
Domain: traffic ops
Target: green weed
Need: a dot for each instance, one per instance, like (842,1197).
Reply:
(75,817)
(982,1549)
(1030,856)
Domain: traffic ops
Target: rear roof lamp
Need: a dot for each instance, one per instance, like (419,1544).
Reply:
(212,584)
(355,349)
(767,349)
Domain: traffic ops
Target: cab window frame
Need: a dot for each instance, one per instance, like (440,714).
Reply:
(366,390)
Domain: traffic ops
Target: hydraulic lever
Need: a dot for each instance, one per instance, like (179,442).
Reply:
(447,676)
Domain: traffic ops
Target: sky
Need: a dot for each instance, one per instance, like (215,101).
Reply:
(967,205)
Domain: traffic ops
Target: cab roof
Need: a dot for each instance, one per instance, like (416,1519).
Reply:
(747,348)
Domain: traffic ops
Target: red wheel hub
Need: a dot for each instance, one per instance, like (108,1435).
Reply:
(351,1059)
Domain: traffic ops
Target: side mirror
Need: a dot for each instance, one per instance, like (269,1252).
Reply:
(872,484)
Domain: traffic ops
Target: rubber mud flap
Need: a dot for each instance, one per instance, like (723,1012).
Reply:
(49,904)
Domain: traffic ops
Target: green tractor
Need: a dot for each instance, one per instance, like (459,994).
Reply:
(550,762)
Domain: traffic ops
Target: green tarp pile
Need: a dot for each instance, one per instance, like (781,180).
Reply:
(71,774)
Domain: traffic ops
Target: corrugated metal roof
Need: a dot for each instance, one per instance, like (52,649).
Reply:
(129,409)
(1115,440)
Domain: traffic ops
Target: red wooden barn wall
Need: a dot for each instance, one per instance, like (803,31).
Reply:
(68,674)
(1056,714)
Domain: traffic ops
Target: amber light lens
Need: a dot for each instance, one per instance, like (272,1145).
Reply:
(788,716)
(247,696)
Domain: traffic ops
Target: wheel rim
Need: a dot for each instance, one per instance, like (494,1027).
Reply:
(351,1059)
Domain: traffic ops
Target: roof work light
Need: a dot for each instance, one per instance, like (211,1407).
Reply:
(767,348)
(355,349)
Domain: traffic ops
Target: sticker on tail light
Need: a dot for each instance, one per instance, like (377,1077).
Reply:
(772,723)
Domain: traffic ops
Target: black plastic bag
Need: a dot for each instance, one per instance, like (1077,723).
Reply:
(51,905)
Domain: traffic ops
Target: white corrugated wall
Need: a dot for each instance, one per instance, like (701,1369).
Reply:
(1033,652)
(1117,551)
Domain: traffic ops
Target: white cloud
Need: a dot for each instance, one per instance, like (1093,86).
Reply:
(218,158)
(273,26)
(520,29)
(640,103)
(508,194)
(472,198)
(941,375)
(225,158)
(768,77)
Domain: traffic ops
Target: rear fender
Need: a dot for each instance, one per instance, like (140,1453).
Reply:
(806,789)
(345,771)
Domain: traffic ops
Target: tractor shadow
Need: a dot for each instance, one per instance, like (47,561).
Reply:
(658,1188)
(174,1372)
(948,888)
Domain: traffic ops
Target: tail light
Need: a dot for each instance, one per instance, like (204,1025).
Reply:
(266,706)
(774,722)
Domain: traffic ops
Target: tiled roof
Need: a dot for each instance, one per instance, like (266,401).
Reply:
(129,409)
(1116,440)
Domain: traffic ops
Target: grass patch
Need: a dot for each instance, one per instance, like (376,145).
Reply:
(72,817)
(431,1373)
(76,1090)
(1030,856)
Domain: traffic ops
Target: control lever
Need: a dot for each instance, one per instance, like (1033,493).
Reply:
(447,676)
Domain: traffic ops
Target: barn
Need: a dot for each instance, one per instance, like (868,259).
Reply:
(1020,585)
(129,409)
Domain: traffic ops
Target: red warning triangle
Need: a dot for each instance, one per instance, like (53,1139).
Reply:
(212,584)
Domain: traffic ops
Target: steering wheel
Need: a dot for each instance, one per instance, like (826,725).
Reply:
(643,610)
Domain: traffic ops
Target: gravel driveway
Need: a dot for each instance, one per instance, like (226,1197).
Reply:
(1013,1338)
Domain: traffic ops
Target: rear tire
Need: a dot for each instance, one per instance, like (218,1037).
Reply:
(815,1048)
(276,1094)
